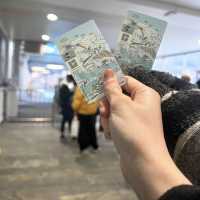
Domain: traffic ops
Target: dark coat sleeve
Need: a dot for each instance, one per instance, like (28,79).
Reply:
(183,192)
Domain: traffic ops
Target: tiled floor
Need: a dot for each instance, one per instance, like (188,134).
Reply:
(35,165)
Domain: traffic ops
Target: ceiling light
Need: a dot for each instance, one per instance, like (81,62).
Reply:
(55,67)
(199,41)
(45,37)
(52,17)
(39,69)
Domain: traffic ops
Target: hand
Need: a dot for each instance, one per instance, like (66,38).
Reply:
(134,123)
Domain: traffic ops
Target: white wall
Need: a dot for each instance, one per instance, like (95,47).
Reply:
(179,39)
(11,103)
(1,105)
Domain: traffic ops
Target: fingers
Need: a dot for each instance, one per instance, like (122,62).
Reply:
(104,108)
(104,114)
(112,88)
(133,86)
(105,125)
(112,92)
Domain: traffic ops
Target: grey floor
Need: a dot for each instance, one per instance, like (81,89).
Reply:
(35,165)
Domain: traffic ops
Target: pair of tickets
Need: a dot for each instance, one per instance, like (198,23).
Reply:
(87,54)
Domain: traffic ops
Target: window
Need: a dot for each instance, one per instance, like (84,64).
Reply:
(187,63)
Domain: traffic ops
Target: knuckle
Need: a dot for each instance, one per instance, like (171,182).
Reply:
(114,101)
(117,100)
(154,94)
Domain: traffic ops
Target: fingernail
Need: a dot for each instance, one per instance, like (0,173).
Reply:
(108,74)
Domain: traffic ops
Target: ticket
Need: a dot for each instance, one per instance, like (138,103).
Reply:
(87,55)
(139,40)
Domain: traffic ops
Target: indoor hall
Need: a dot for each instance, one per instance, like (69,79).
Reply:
(52,149)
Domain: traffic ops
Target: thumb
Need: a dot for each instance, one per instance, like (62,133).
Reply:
(112,88)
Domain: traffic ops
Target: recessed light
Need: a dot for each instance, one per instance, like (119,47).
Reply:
(45,37)
(52,17)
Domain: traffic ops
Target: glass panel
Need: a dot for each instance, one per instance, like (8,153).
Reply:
(181,64)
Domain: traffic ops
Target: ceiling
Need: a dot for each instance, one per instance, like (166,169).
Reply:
(26,19)
(188,4)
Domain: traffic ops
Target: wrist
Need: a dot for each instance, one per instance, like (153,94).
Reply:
(153,176)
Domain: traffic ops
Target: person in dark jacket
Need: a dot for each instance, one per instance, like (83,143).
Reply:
(134,122)
(198,83)
(65,99)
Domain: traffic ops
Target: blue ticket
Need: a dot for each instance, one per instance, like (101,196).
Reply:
(87,55)
(139,41)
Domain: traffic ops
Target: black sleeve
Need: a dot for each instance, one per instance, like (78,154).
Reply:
(183,192)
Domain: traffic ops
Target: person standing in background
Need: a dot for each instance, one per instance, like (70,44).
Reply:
(198,83)
(186,78)
(86,114)
(65,98)
(56,101)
